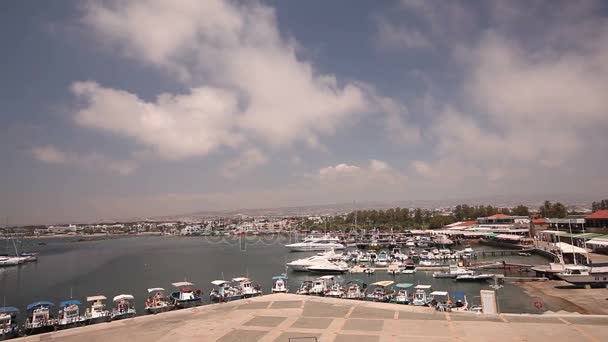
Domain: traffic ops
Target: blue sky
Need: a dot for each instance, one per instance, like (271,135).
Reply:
(117,109)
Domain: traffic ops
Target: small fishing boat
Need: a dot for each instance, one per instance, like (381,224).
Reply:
(157,301)
(223,292)
(422,295)
(459,301)
(454,272)
(96,312)
(8,322)
(369,270)
(69,314)
(409,269)
(354,290)
(246,288)
(336,291)
(382,259)
(441,300)
(402,296)
(322,285)
(123,307)
(393,269)
(185,296)
(40,318)
(474,277)
(380,291)
(305,287)
(279,284)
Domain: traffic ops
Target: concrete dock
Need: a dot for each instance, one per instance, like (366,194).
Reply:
(280,317)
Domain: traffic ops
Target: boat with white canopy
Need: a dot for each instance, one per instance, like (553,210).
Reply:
(157,301)
(69,314)
(185,295)
(96,311)
(123,307)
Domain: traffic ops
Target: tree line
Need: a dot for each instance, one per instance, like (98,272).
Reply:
(600,205)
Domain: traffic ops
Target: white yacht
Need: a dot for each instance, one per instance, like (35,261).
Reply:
(580,275)
(422,296)
(279,284)
(454,272)
(301,265)
(316,244)
(328,267)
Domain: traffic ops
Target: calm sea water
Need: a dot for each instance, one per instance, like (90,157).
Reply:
(68,267)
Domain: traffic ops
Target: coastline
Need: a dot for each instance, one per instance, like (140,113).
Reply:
(559,296)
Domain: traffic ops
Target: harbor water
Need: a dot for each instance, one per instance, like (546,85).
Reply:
(72,268)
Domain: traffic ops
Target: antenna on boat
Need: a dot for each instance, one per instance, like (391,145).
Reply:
(223,275)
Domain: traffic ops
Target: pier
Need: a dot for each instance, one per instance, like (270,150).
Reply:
(285,317)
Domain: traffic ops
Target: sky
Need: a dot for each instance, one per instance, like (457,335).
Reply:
(117,109)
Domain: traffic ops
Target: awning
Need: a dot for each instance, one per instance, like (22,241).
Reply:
(94,298)
(156,289)
(69,302)
(182,283)
(219,282)
(598,242)
(568,248)
(424,287)
(404,285)
(279,277)
(509,237)
(123,297)
(383,283)
(39,304)
(8,309)
(439,293)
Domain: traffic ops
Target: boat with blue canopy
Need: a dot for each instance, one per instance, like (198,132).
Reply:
(280,284)
(69,314)
(402,296)
(40,319)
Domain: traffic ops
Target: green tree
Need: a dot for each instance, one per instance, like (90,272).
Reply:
(521,210)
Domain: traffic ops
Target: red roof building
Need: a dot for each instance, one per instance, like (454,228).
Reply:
(598,219)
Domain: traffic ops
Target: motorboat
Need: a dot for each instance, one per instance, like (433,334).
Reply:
(380,291)
(123,307)
(157,301)
(475,277)
(223,292)
(353,290)
(185,296)
(246,288)
(397,255)
(69,314)
(305,287)
(10,261)
(280,285)
(96,311)
(301,265)
(369,270)
(8,322)
(393,269)
(382,259)
(336,291)
(402,296)
(454,272)
(459,301)
(581,275)
(410,243)
(329,267)
(422,295)
(39,319)
(357,269)
(322,285)
(441,300)
(409,269)
(316,244)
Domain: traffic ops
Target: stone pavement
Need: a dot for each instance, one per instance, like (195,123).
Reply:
(288,317)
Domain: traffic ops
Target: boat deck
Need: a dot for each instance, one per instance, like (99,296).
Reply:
(279,317)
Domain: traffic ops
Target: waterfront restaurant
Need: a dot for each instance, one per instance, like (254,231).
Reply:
(598,219)
(502,219)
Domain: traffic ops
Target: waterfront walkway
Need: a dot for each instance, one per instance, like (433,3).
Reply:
(280,317)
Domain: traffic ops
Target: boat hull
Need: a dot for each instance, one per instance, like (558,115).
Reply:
(39,330)
(9,334)
(159,309)
(117,317)
(182,304)
(599,279)
(100,319)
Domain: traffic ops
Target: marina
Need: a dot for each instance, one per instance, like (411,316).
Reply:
(419,287)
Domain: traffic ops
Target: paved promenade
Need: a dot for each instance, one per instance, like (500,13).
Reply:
(280,317)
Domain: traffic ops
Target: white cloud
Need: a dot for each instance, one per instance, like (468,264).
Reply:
(50,154)
(339,170)
(248,159)
(254,87)
(400,37)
